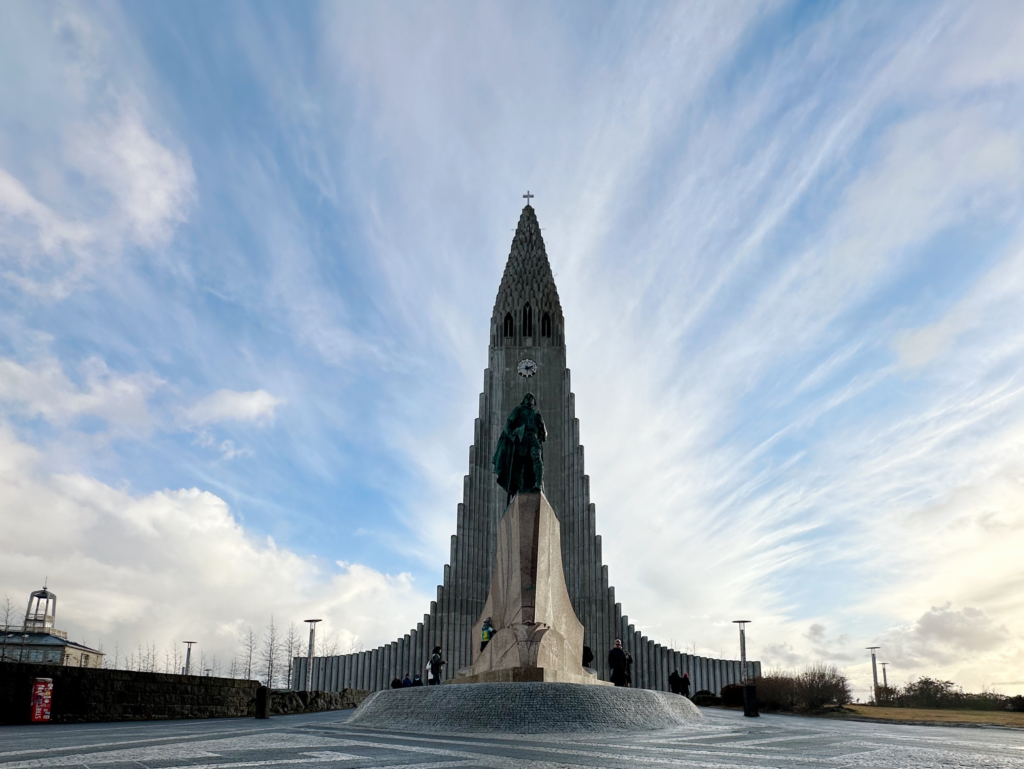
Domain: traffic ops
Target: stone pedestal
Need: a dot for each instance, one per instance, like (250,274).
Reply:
(538,637)
(524,708)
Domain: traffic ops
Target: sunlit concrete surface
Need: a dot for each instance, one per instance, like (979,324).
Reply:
(324,739)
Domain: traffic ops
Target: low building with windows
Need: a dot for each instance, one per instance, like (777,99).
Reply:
(37,640)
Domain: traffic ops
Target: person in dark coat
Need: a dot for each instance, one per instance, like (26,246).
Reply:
(588,656)
(396,683)
(436,663)
(674,682)
(416,680)
(684,685)
(406,681)
(619,661)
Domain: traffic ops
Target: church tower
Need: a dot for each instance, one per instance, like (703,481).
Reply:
(526,354)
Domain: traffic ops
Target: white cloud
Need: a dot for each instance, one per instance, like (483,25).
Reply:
(172,564)
(98,179)
(944,638)
(257,406)
(42,389)
(152,185)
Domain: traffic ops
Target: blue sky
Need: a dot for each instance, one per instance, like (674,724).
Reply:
(249,254)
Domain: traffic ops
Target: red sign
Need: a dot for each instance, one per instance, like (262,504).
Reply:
(42,694)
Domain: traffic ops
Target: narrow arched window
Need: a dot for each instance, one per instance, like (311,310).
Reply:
(527,321)
(545,326)
(507,328)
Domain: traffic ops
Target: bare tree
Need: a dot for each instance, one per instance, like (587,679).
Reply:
(271,651)
(330,646)
(6,611)
(292,646)
(236,667)
(250,643)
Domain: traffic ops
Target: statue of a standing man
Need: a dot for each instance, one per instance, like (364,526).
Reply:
(519,457)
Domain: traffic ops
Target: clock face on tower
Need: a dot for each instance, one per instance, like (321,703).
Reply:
(527,367)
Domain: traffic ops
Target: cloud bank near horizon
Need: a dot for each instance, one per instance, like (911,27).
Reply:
(248,284)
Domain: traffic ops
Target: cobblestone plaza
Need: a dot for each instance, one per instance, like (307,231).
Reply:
(324,740)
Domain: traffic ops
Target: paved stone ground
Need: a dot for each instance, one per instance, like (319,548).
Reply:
(324,740)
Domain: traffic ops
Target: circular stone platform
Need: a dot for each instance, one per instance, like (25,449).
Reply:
(524,708)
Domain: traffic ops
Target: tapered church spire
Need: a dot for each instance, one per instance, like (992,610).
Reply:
(527,310)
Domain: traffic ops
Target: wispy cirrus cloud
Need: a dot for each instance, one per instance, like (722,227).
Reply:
(257,406)
(104,182)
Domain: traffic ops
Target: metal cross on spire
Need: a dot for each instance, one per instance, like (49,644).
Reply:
(528,196)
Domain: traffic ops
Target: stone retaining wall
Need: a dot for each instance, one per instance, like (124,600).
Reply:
(91,694)
(285,702)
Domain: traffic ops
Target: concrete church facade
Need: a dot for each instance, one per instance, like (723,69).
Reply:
(526,354)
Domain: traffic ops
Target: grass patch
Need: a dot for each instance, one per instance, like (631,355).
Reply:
(932,715)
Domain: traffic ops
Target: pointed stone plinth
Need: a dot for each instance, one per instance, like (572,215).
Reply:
(538,637)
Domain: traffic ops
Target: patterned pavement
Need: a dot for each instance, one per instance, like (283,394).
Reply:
(324,740)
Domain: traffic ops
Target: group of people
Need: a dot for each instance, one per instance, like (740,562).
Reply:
(621,661)
(435,666)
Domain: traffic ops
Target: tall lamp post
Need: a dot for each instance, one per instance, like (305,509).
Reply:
(885,678)
(749,690)
(874,669)
(309,656)
(188,655)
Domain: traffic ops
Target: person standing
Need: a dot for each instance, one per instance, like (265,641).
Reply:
(684,685)
(486,633)
(436,663)
(588,657)
(396,683)
(674,682)
(619,661)
(406,682)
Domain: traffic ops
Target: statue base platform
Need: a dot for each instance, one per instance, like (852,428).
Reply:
(528,674)
(537,636)
(524,708)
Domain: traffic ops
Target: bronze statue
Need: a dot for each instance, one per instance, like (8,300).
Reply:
(519,457)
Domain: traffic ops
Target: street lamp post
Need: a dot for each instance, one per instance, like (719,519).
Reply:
(749,690)
(885,678)
(309,656)
(188,656)
(874,670)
